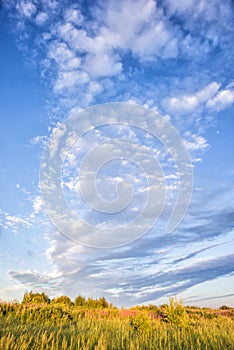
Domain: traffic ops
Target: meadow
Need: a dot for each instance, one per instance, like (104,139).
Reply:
(96,325)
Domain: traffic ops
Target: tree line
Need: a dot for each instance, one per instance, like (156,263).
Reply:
(30,298)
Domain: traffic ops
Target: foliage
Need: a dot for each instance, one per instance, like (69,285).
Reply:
(79,301)
(102,302)
(91,303)
(62,325)
(140,324)
(35,298)
(224,307)
(63,299)
(175,312)
(90,333)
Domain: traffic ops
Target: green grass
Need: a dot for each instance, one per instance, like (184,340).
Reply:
(91,333)
(63,325)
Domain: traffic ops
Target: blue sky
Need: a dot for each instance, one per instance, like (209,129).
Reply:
(173,57)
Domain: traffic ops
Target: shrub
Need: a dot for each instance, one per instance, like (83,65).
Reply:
(175,313)
(140,324)
(224,307)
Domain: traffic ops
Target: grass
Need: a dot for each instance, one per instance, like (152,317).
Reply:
(64,325)
(116,333)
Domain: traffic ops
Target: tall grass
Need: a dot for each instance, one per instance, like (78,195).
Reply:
(90,333)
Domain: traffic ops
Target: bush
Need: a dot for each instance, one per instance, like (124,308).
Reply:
(54,315)
(175,313)
(140,324)
(224,307)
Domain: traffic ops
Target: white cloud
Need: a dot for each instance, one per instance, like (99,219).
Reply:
(95,87)
(183,104)
(119,19)
(102,65)
(74,16)
(41,18)
(152,41)
(37,205)
(146,34)
(125,42)
(177,260)
(222,100)
(208,92)
(77,39)
(52,4)
(15,222)
(140,272)
(40,140)
(26,7)
(209,96)
(64,57)
(70,79)
(196,143)
(99,59)
(91,50)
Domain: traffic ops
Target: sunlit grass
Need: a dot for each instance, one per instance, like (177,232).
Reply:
(116,333)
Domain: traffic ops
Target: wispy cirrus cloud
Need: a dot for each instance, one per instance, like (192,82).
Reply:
(152,267)
(13,222)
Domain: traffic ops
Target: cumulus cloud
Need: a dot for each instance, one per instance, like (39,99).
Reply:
(196,143)
(26,8)
(210,96)
(184,104)
(41,18)
(102,65)
(207,96)
(147,34)
(89,51)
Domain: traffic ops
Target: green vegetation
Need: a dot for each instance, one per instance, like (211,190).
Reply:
(175,313)
(61,324)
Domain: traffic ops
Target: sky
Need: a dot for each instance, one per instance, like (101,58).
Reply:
(171,61)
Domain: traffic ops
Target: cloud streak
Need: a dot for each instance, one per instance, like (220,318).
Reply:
(155,266)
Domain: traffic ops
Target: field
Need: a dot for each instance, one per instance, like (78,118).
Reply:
(55,326)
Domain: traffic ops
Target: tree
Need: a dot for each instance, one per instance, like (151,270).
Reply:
(92,303)
(63,299)
(80,301)
(102,302)
(224,307)
(35,298)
